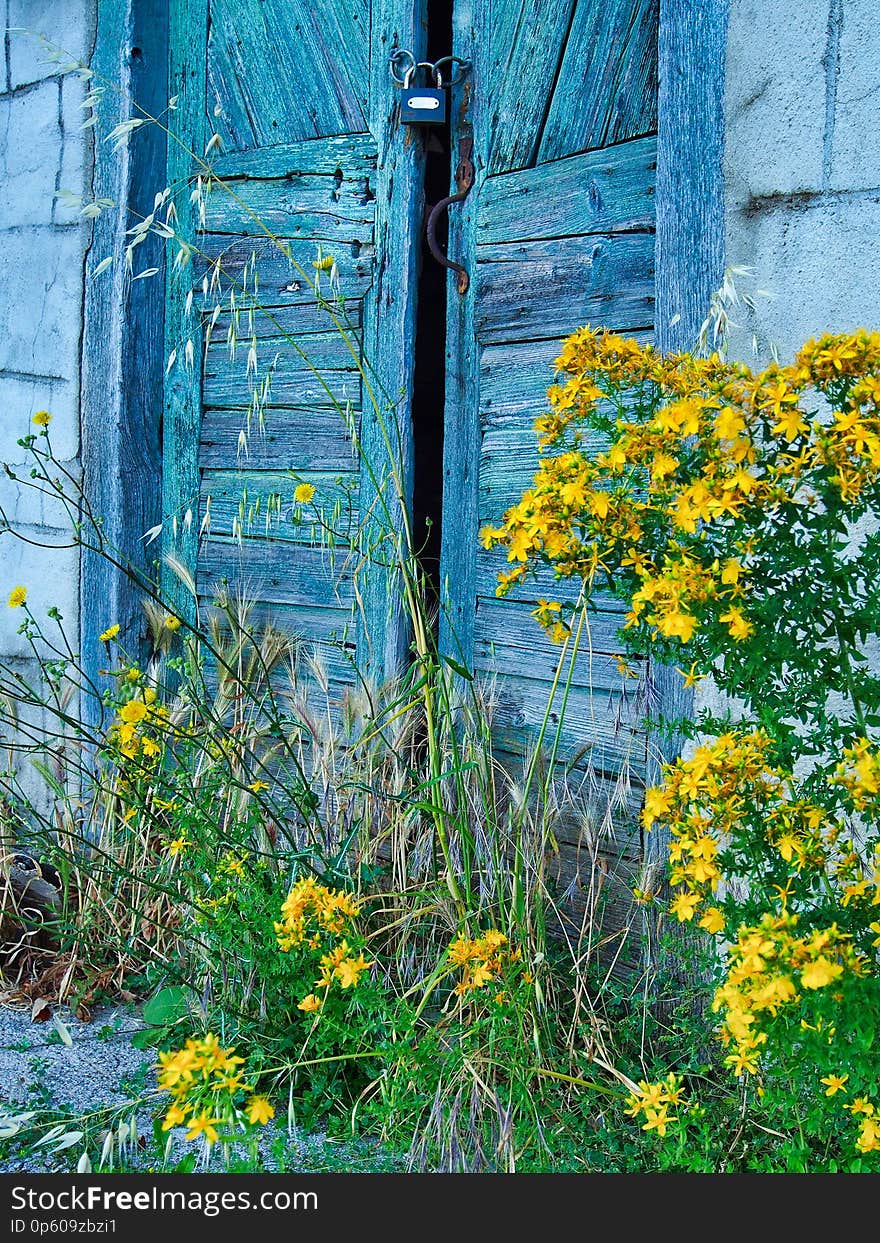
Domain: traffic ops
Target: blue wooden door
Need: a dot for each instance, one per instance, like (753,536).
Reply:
(558,231)
(288,167)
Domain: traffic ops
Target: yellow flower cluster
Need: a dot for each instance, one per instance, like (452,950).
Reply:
(859,773)
(483,960)
(313,915)
(140,726)
(654,1101)
(203,1080)
(705,441)
(311,909)
(771,966)
(701,800)
(869,1134)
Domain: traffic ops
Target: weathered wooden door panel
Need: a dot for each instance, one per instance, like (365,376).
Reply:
(283,71)
(557,231)
(307,167)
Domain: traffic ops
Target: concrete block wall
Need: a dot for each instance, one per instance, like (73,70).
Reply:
(802,166)
(43,150)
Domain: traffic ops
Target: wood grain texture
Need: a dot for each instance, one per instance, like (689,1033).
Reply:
(526,42)
(293,439)
(461,442)
(607,87)
(353,154)
(262,505)
(282,70)
(389,336)
(122,361)
(316,373)
(285,276)
(534,289)
(596,192)
(276,572)
(188,24)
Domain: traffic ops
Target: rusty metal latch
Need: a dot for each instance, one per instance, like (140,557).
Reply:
(464,179)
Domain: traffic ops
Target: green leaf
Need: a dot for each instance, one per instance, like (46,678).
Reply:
(457,668)
(169,1005)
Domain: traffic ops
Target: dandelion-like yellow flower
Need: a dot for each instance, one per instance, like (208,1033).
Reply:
(110,633)
(133,711)
(17,597)
(42,418)
(172,623)
(303,493)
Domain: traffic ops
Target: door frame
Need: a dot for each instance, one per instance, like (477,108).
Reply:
(122,371)
(689,250)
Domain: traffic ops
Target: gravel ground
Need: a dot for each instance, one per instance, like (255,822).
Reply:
(100,1069)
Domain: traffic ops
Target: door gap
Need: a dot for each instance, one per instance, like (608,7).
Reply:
(429,381)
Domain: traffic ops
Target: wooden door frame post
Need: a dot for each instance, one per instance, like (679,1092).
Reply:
(122,348)
(689,268)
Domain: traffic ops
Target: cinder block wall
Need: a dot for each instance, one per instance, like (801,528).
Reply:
(43,150)
(802,165)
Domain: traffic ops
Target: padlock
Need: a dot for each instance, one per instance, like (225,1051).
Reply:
(423,105)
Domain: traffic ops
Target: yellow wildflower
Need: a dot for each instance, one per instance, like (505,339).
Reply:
(205,1125)
(310,1004)
(110,633)
(820,973)
(17,597)
(713,921)
(42,418)
(834,1083)
(303,493)
(259,1111)
(133,711)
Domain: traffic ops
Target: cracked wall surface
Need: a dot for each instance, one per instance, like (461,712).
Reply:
(43,153)
(802,167)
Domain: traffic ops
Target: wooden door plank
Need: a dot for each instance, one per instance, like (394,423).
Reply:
(526,42)
(279,75)
(188,24)
(607,88)
(544,288)
(386,440)
(277,573)
(594,192)
(470,101)
(292,440)
(353,155)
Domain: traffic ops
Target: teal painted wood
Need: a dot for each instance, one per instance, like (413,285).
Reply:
(389,337)
(532,290)
(549,246)
(354,155)
(461,444)
(188,20)
(122,369)
(291,439)
(260,505)
(277,572)
(282,72)
(285,280)
(593,192)
(321,372)
(690,247)
(525,44)
(607,87)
